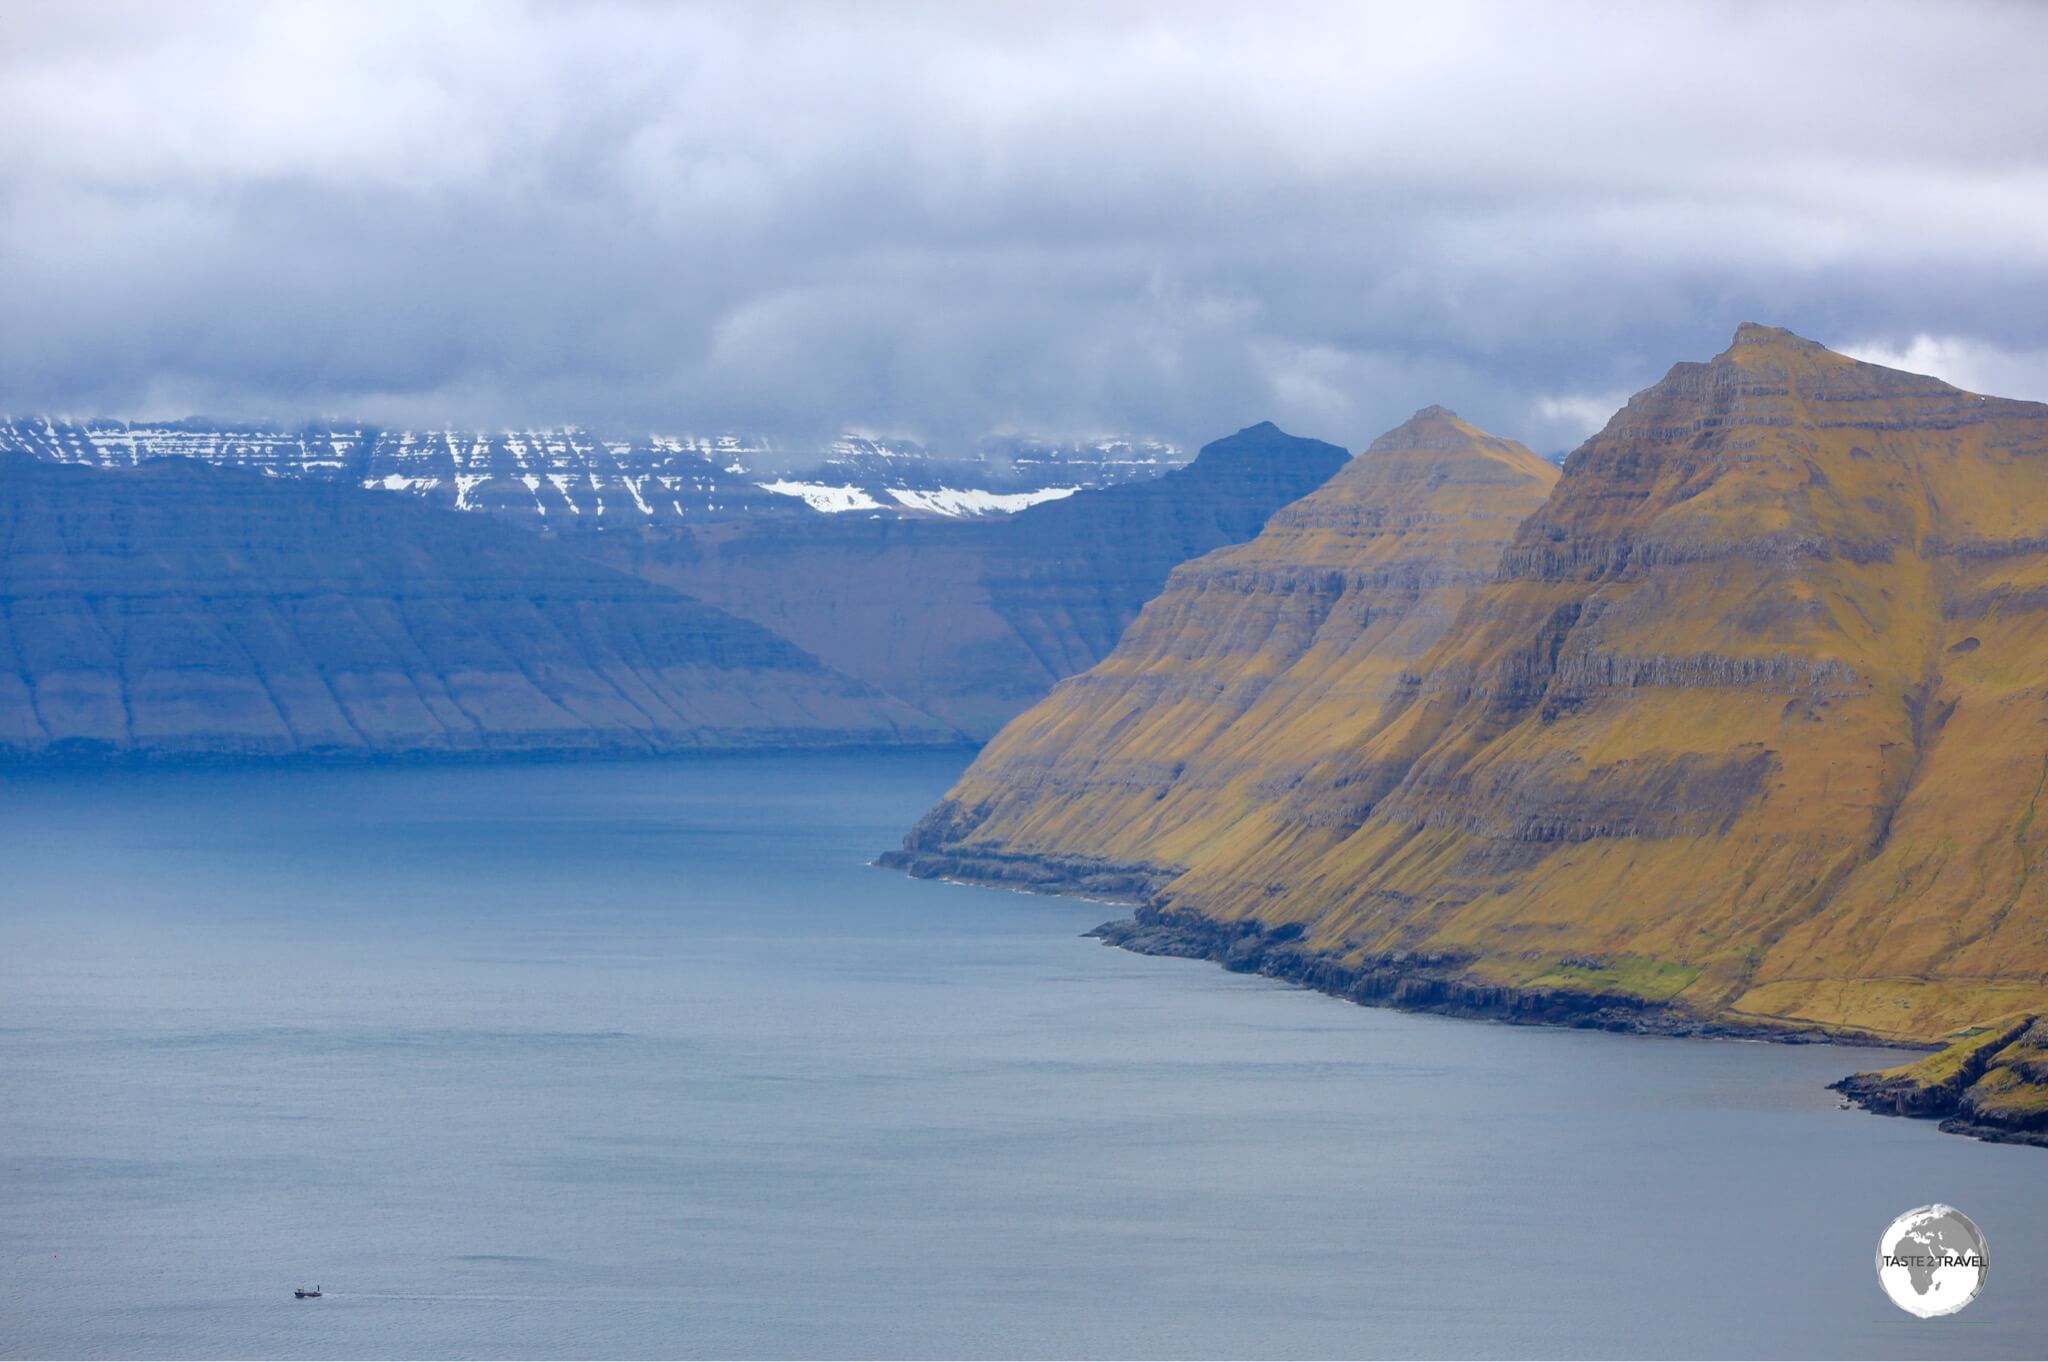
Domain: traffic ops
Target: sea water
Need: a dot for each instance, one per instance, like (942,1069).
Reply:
(648,1060)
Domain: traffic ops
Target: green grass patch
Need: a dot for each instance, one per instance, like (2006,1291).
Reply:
(1638,976)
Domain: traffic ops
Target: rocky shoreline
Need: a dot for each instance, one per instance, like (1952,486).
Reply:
(1992,1085)
(1079,876)
(1413,982)
(1433,982)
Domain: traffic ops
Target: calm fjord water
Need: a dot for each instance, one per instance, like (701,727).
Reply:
(646,1060)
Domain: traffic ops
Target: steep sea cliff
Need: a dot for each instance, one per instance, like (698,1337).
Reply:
(1739,733)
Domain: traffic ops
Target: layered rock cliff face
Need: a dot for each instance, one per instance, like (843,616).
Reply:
(177,611)
(1213,717)
(974,622)
(1749,731)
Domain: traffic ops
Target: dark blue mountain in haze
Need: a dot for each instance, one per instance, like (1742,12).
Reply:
(175,609)
(973,622)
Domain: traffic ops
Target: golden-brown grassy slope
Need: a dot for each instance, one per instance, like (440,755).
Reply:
(1242,674)
(1755,720)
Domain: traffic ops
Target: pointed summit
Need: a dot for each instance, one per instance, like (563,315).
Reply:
(1433,427)
(1265,445)
(1815,371)
(1767,381)
(1756,335)
(1433,417)
(1442,436)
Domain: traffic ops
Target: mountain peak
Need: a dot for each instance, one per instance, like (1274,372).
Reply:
(1438,431)
(1431,428)
(1768,381)
(1755,344)
(1265,446)
(1757,335)
(1813,371)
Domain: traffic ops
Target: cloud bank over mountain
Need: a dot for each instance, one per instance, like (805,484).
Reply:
(1169,220)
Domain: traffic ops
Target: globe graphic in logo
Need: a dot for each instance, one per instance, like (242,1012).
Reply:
(1931,1261)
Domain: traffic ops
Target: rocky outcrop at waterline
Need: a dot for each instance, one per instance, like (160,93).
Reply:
(1991,1083)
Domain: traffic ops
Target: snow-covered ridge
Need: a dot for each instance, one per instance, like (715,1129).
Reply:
(113,444)
(571,477)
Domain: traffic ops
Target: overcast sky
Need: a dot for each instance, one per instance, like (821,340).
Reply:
(1170,220)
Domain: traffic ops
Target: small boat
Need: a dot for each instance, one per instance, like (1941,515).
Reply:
(303,1294)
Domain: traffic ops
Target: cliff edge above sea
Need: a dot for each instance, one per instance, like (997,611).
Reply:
(1736,729)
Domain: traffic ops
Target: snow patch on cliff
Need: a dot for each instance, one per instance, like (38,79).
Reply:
(956,501)
(823,496)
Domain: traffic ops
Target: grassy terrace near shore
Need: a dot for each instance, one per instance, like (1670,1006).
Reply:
(1637,976)
(1945,1064)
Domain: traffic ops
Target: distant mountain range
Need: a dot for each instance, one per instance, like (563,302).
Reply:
(267,596)
(573,480)
(180,611)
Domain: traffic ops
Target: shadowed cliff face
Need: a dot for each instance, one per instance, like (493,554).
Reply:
(177,611)
(973,622)
(1750,727)
(1213,722)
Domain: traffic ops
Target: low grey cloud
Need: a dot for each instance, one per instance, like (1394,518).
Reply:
(1166,220)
